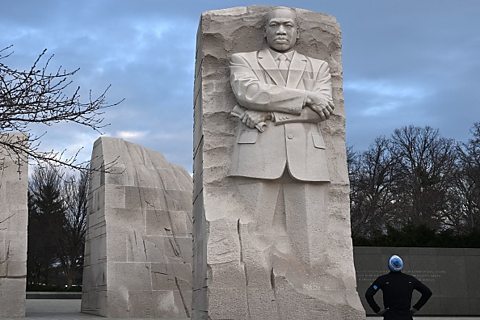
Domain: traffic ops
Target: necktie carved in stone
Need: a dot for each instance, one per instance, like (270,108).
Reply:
(283,65)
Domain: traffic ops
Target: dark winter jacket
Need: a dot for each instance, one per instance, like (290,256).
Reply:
(397,288)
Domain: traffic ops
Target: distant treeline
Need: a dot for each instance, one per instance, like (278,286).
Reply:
(416,189)
(57,213)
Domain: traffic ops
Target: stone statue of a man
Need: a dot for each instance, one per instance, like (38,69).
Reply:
(282,96)
(272,230)
(285,94)
(279,163)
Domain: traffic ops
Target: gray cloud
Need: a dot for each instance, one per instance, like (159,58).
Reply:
(409,62)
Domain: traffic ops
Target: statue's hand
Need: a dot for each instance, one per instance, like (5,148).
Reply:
(316,98)
(323,107)
(323,111)
(252,118)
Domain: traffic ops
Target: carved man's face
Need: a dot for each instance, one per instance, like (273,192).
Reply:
(281,29)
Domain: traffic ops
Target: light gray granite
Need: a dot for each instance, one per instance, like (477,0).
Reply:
(138,246)
(271,209)
(13,232)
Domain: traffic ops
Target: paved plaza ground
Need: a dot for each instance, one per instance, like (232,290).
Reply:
(69,309)
(52,309)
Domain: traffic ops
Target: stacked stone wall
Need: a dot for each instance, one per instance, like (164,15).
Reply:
(139,247)
(13,232)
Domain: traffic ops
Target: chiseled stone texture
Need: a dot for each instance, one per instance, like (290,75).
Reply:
(235,275)
(139,244)
(13,233)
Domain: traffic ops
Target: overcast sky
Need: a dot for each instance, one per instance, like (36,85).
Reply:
(404,62)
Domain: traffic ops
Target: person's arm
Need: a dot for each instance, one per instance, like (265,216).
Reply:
(371,291)
(253,94)
(425,292)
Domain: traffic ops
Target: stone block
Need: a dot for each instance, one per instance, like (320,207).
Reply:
(170,276)
(118,176)
(168,222)
(16,269)
(16,196)
(12,304)
(125,220)
(117,246)
(138,276)
(178,249)
(146,248)
(223,242)
(271,200)
(13,234)
(227,303)
(16,245)
(97,248)
(115,197)
(116,304)
(138,244)
(14,220)
(141,304)
(171,304)
(228,275)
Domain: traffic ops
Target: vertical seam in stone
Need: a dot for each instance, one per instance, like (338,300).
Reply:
(274,290)
(181,297)
(178,252)
(173,245)
(2,167)
(242,263)
(272,281)
(144,249)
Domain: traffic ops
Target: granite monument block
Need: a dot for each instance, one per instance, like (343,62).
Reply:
(271,208)
(138,248)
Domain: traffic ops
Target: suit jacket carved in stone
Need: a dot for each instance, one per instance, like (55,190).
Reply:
(293,139)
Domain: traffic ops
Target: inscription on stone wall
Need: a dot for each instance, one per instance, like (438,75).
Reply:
(429,275)
(451,274)
(422,275)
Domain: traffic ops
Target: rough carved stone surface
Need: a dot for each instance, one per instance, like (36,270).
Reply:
(13,235)
(139,248)
(255,257)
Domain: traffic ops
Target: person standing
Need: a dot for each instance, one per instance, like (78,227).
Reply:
(397,288)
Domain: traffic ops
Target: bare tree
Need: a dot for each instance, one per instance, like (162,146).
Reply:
(464,215)
(38,96)
(416,187)
(57,224)
(426,164)
(46,219)
(72,244)
(371,176)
